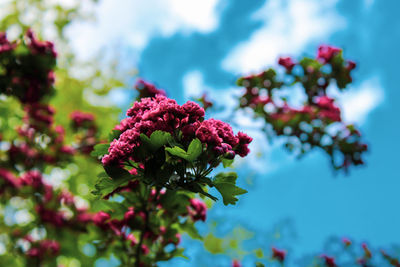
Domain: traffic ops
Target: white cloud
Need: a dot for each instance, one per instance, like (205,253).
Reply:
(358,102)
(288,27)
(193,84)
(134,22)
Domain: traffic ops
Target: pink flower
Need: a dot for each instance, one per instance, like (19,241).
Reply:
(130,214)
(68,150)
(7,178)
(80,119)
(66,197)
(161,113)
(32,178)
(53,217)
(286,62)
(145,249)
(346,241)
(326,52)
(42,248)
(51,246)
(329,261)
(5,45)
(177,239)
(40,47)
(236,263)
(244,141)
(132,239)
(147,89)
(116,226)
(278,254)
(100,218)
(367,251)
(197,210)
(328,109)
(39,115)
(83,216)
(351,65)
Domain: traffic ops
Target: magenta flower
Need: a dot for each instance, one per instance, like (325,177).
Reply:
(286,62)
(278,254)
(197,210)
(326,52)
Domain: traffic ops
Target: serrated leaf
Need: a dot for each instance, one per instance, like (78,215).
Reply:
(116,209)
(106,185)
(227,162)
(116,172)
(157,139)
(191,230)
(214,244)
(225,183)
(194,151)
(114,134)
(179,253)
(160,138)
(196,188)
(177,151)
(100,150)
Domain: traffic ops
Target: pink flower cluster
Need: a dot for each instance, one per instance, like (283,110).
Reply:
(27,75)
(84,125)
(162,113)
(327,109)
(40,47)
(147,89)
(39,116)
(7,180)
(122,228)
(197,210)
(39,122)
(42,248)
(79,118)
(278,254)
(326,53)
(329,261)
(5,45)
(286,62)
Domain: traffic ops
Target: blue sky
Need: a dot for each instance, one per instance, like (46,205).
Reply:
(190,46)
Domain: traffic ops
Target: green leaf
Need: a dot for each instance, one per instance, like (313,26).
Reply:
(196,188)
(259,264)
(160,138)
(114,134)
(100,150)
(259,253)
(226,185)
(194,150)
(191,230)
(117,173)
(106,185)
(116,209)
(214,244)
(157,139)
(227,162)
(179,253)
(177,151)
